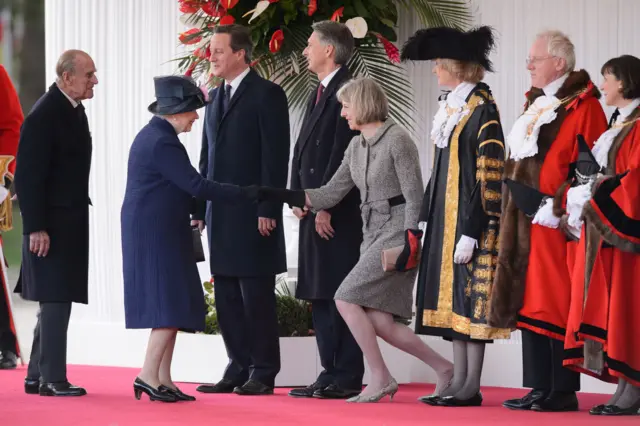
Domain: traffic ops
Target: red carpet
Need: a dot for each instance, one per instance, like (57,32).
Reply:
(110,402)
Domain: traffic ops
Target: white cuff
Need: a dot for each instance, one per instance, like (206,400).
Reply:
(467,243)
(545,216)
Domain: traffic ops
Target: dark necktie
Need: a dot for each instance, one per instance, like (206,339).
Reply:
(614,117)
(319,93)
(227,98)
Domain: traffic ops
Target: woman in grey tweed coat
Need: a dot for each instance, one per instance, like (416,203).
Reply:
(383,163)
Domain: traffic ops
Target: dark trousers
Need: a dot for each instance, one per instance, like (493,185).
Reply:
(7,338)
(246,309)
(340,355)
(542,364)
(49,350)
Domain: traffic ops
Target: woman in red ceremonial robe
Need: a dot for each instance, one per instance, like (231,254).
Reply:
(603,337)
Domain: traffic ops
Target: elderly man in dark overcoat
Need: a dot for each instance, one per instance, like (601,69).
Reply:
(52,185)
(245,142)
(329,243)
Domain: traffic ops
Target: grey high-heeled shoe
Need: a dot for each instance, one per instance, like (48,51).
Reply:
(390,389)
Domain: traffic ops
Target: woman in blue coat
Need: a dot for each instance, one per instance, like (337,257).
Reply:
(162,288)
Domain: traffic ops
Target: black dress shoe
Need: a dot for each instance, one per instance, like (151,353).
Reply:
(177,393)
(597,410)
(8,361)
(223,386)
(557,402)
(452,401)
(336,392)
(430,399)
(253,387)
(527,401)
(61,389)
(32,386)
(306,392)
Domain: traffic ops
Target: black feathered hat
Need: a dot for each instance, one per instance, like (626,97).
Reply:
(176,94)
(450,43)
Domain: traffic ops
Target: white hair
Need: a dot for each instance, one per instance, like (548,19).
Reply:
(559,44)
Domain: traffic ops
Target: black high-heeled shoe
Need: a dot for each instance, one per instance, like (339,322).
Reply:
(140,386)
(614,410)
(177,393)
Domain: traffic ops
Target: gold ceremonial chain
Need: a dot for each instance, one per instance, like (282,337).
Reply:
(562,101)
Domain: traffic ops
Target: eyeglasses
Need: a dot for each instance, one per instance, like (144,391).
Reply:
(538,59)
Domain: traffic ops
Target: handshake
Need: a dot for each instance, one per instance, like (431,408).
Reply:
(294,198)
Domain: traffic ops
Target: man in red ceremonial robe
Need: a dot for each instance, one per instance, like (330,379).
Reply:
(602,333)
(11,119)
(532,285)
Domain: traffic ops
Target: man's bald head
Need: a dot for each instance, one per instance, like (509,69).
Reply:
(76,74)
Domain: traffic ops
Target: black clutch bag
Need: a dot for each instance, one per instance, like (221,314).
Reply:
(197,244)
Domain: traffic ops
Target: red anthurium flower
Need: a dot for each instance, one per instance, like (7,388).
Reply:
(190,6)
(337,14)
(276,41)
(192,67)
(202,53)
(213,8)
(313,7)
(273,1)
(229,4)
(188,38)
(227,20)
(392,51)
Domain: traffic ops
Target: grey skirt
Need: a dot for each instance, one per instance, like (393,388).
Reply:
(367,285)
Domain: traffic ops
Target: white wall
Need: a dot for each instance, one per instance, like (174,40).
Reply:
(132,41)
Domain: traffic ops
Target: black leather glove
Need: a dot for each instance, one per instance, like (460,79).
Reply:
(410,256)
(294,198)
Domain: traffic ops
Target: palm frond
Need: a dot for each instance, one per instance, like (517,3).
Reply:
(370,60)
(440,13)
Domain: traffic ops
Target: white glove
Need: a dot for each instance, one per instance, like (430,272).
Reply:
(4,193)
(545,216)
(464,249)
(577,197)
(422,226)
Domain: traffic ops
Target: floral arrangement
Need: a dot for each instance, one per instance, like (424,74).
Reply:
(280,29)
(294,316)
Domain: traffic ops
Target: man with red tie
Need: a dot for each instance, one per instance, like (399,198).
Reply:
(329,244)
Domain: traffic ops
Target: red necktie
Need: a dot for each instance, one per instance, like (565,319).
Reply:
(319,93)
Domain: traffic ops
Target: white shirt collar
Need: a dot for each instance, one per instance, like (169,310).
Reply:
(325,81)
(626,111)
(73,102)
(236,81)
(552,88)
(463,90)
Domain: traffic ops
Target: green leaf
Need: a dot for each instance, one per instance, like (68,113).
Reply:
(380,4)
(437,13)
(388,22)
(360,9)
(370,60)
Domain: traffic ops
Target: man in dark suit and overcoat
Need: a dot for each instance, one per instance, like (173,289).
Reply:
(52,185)
(329,244)
(245,142)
